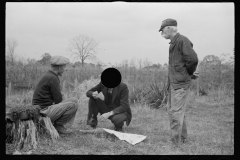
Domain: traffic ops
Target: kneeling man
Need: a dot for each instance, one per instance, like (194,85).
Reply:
(115,105)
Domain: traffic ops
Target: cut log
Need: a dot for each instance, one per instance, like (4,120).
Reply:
(23,126)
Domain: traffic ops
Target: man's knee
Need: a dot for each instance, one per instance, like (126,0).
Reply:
(118,119)
(97,103)
(73,106)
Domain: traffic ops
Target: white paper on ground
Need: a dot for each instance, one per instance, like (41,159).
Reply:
(130,138)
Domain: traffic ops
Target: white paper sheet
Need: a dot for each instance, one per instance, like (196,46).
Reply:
(130,138)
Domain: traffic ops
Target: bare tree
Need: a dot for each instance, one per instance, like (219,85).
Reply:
(11,45)
(83,47)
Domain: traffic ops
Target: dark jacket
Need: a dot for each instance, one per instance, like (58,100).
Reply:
(47,91)
(120,99)
(183,61)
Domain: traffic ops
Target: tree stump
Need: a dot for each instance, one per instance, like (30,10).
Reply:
(24,124)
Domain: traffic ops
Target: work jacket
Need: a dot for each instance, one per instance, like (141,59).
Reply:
(119,100)
(183,61)
(48,91)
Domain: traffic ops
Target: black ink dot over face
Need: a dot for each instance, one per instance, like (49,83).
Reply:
(111,77)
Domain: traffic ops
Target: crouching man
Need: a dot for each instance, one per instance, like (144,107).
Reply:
(114,105)
(49,97)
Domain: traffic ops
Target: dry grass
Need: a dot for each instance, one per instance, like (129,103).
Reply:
(210,131)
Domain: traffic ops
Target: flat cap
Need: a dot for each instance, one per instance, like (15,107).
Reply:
(168,22)
(59,60)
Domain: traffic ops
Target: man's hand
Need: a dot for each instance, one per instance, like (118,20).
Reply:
(195,75)
(105,116)
(94,94)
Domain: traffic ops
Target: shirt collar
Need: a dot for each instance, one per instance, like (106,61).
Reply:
(53,73)
(174,38)
(110,90)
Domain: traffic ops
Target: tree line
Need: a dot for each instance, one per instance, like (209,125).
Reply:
(215,72)
(81,48)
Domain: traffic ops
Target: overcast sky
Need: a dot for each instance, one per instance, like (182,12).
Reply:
(123,30)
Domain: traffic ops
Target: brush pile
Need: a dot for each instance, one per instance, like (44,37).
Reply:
(24,125)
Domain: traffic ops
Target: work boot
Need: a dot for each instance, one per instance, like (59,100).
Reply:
(92,122)
(61,129)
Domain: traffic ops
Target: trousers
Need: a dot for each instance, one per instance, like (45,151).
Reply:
(178,100)
(96,106)
(62,113)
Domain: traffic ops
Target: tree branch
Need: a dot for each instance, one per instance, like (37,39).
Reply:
(83,47)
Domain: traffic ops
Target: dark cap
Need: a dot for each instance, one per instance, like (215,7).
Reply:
(168,22)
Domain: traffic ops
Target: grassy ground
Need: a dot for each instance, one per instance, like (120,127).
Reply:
(210,132)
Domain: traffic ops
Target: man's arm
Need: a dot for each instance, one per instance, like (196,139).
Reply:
(56,91)
(124,103)
(96,88)
(190,56)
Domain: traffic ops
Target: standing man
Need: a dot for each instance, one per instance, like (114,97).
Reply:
(183,61)
(49,97)
(114,103)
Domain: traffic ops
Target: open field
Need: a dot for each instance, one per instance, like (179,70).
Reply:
(210,132)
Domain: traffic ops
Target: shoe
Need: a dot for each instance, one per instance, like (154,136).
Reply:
(61,129)
(92,122)
(119,129)
(184,140)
